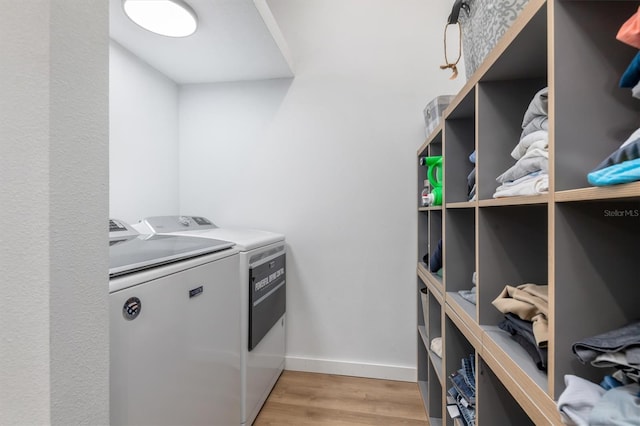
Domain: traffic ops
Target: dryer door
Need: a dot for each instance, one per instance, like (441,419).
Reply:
(267,296)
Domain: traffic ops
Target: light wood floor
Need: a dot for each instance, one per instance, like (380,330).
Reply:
(305,399)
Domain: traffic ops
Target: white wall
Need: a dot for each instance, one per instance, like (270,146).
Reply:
(332,165)
(222,134)
(54,352)
(143,148)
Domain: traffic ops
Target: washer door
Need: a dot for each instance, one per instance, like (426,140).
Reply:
(267,296)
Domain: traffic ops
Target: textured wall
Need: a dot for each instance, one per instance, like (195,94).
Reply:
(78,184)
(24,197)
(53,292)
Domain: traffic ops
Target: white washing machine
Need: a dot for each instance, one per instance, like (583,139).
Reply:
(174,330)
(262,301)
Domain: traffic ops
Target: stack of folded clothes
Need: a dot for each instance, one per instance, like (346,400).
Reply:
(586,403)
(526,308)
(463,390)
(530,174)
(616,401)
(619,348)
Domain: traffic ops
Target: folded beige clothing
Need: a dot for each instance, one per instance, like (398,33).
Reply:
(436,346)
(530,302)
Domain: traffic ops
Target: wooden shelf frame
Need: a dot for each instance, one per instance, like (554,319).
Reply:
(573,238)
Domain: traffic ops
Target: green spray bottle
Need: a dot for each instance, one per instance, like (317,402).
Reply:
(432,196)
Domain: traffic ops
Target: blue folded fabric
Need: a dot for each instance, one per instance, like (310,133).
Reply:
(435,262)
(472,157)
(625,172)
(631,76)
(609,382)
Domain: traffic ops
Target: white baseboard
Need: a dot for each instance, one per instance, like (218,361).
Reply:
(349,368)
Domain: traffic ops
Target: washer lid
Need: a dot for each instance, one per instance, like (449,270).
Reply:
(244,239)
(132,254)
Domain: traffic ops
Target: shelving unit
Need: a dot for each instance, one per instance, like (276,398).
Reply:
(577,239)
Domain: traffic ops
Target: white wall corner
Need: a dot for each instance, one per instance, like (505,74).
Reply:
(276,33)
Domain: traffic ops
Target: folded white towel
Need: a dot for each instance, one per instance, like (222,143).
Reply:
(534,160)
(532,184)
(538,139)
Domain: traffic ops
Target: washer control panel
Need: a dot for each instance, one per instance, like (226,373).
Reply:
(164,224)
(119,230)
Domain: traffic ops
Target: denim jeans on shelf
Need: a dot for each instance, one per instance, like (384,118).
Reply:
(463,389)
(467,412)
(468,371)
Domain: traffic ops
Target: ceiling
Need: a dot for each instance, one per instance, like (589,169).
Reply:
(235,40)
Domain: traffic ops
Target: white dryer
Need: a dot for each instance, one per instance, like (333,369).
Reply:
(262,303)
(174,330)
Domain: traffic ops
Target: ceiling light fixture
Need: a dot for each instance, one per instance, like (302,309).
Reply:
(171,18)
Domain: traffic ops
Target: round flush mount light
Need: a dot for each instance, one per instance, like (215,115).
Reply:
(171,18)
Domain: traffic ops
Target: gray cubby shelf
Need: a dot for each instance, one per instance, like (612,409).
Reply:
(577,239)
(462,306)
(462,205)
(436,361)
(515,201)
(423,334)
(456,348)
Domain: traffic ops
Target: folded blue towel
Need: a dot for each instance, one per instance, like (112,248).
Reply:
(625,172)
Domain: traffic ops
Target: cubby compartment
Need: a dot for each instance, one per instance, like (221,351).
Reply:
(501,108)
(460,260)
(435,235)
(459,130)
(592,115)
(423,371)
(512,250)
(423,237)
(522,52)
(435,331)
(457,347)
(430,366)
(431,147)
(495,405)
(434,406)
(596,277)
